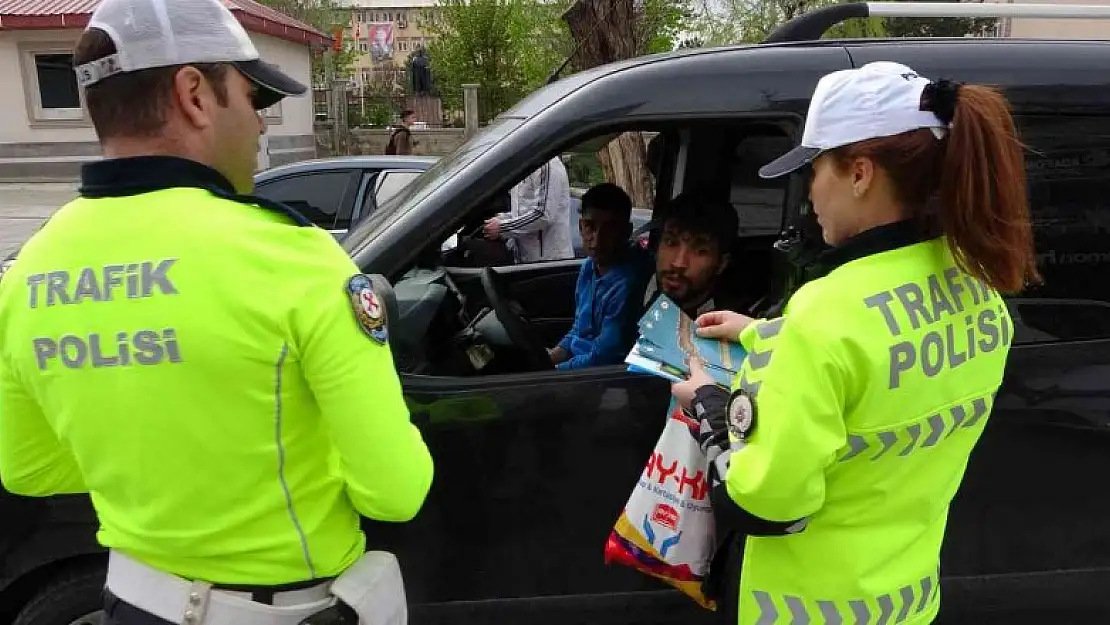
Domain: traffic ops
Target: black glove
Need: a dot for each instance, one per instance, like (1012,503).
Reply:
(710,408)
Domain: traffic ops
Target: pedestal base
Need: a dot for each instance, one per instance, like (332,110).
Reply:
(428,109)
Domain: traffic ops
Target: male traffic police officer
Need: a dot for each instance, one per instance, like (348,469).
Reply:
(208,366)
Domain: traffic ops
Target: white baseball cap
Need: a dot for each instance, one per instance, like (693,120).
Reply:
(163,33)
(880,99)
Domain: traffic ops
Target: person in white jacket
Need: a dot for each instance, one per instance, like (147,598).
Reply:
(537,226)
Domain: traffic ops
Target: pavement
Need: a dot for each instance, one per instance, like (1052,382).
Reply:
(25,206)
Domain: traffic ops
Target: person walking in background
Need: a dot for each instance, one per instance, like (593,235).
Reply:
(401,142)
(537,226)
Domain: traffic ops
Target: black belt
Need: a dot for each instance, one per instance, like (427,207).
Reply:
(265,594)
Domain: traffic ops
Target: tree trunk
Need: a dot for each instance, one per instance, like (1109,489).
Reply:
(606,31)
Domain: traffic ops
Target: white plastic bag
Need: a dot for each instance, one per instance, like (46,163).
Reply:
(666,529)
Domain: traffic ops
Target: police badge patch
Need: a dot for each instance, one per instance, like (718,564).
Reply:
(368,307)
(741,414)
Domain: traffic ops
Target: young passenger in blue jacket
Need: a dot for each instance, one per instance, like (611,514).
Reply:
(610,286)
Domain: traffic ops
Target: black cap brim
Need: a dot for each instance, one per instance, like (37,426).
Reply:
(792,161)
(273,84)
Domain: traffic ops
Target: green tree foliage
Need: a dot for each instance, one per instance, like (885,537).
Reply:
(666,23)
(508,47)
(320,14)
(939,27)
(750,21)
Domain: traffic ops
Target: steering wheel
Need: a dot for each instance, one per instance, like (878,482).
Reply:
(517,329)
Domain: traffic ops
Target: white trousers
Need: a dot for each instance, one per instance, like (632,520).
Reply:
(184,602)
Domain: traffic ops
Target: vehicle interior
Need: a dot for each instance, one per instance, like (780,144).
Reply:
(452,316)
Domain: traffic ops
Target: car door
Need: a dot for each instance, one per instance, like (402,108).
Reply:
(1050,432)
(536,468)
(326,197)
(532,470)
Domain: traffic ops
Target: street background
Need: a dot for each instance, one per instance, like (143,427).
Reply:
(24,207)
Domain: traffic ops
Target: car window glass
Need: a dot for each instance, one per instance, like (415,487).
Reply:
(390,182)
(582,170)
(318,196)
(758,202)
(443,170)
(1066,162)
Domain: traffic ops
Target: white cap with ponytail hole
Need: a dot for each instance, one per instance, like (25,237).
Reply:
(880,99)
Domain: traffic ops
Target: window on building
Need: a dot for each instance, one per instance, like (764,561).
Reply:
(57,82)
(272,114)
(50,82)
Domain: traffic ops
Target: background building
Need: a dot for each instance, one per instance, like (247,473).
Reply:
(385,32)
(45,132)
(1043,28)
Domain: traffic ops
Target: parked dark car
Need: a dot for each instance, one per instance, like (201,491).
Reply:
(533,466)
(337,192)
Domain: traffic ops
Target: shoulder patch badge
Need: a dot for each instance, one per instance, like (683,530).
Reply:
(741,414)
(368,308)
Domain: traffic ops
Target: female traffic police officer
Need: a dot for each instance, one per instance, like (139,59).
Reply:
(209,366)
(851,422)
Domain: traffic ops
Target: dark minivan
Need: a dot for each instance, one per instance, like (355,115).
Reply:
(533,466)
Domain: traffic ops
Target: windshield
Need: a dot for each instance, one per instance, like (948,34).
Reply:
(445,168)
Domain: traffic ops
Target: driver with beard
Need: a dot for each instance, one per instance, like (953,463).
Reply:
(696,234)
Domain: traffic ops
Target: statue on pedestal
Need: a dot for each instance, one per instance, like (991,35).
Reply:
(420,72)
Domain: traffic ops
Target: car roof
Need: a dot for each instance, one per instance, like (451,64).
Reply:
(1046,55)
(373,161)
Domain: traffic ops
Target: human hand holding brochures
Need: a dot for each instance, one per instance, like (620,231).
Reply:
(668,340)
